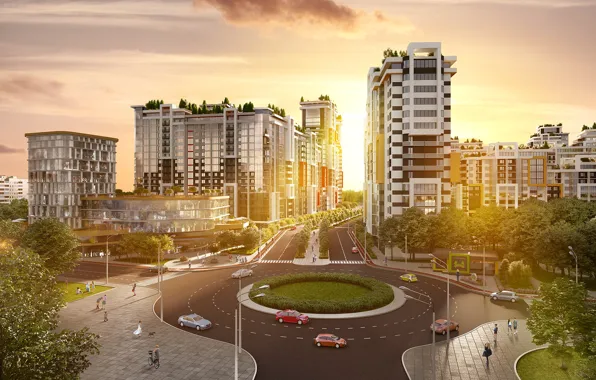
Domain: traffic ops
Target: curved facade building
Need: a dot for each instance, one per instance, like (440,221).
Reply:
(159,214)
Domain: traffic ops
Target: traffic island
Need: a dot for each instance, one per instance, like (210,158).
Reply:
(323,295)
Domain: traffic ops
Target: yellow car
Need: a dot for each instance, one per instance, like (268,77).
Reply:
(409,277)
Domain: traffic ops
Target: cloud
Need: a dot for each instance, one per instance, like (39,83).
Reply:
(289,13)
(7,150)
(527,3)
(25,87)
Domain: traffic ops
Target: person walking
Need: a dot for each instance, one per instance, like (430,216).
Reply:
(92,286)
(495,332)
(385,260)
(104,301)
(457,275)
(97,303)
(190,265)
(138,331)
(156,354)
(487,352)
(105,315)
(509,330)
(514,326)
(87,287)
(134,289)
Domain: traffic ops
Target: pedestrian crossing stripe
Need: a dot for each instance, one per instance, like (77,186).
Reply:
(277,261)
(347,262)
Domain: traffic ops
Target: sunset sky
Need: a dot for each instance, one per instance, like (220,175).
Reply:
(79,65)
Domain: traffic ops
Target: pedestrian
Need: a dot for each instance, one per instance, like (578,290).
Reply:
(514,326)
(138,331)
(457,274)
(495,332)
(105,316)
(189,262)
(385,260)
(487,352)
(509,326)
(97,303)
(92,286)
(87,287)
(104,301)
(134,289)
(156,354)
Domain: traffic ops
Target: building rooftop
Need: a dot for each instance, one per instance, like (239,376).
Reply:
(152,197)
(48,133)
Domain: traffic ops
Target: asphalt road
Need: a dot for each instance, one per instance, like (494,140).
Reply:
(375,344)
(119,274)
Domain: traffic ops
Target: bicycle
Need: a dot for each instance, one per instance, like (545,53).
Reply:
(152,362)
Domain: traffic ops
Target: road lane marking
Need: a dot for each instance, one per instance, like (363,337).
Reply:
(267,334)
(283,336)
(341,245)
(287,245)
(366,338)
(252,332)
(411,332)
(299,337)
(383,337)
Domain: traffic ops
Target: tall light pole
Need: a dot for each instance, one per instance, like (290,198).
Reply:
(406,252)
(431,304)
(235,344)
(484,268)
(107,251)
(572,253)
(443,264)
(238,324)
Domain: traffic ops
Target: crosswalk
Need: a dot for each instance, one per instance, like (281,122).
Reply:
(347,262)
(277,261)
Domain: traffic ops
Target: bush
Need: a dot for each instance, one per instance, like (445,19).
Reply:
(504,271)
(382,294)
(324,255)
(183,259)
(519,275)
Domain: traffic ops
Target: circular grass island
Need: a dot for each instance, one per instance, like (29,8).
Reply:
(323,293)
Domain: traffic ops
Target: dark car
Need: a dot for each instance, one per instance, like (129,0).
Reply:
(158,269)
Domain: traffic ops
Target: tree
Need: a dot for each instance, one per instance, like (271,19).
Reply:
(413,223)
(29,305)
(250,238)
(519,275)
(301,99)
(554,317)
(183,103)
(324,238)
(16,209)
(10,233)
(226,101)
(227,239)
(504,271)
(177,189)
(523,226)
(351,196)
(54,242)
(388,232)
(192,189)
(551,245)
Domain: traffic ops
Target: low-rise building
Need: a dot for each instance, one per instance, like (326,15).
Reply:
(12,188)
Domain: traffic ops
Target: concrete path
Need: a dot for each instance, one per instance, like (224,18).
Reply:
(184,355)
(463,359)
(312,250)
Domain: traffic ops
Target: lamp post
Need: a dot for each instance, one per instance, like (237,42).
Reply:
(443,264)
(107,251)
(431,304)
(572,253)
(238,325)
(406,252)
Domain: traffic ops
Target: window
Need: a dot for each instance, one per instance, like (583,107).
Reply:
(406,101)
(425,88)
(425,113)
(425,76)
(406,89)
(425,101)
(425,125)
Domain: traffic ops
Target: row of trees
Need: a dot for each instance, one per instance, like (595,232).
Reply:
(249,238)
(585,127)
(16,209)
(146,246)
(352,196)
(536,232)
(30,300)
(324,239)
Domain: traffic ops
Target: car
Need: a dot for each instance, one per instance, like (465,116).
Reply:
(293,228)
(158,269)
(242,273)
(409,277)
(330,340)
(440,326)
(291,316)
(355,250)
(504,295)
(194,321)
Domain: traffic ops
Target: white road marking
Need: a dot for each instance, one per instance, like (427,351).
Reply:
(341,245)
(283,336)
(287,245)
(366,338)
(299,337)
(267,334)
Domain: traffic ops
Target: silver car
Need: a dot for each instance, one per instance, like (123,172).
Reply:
(194,321)
(242,273)
(504,295)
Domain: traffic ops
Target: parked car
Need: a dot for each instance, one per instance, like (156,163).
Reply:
(242,273)
(504,295)
(440,326)
(409,277)
(355,250)
(293,228)
(158,269)
(194,321)
(330,340)
(291,316)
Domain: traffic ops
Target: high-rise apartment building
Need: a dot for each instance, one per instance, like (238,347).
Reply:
(549,134)
(321,117)
(259,159)
(12,188)
(65,166)
(408,134)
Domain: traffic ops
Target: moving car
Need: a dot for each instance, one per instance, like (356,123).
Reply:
(330,340)
(158,269)
(291,316)
(194,321)
(440,326)
(292,228)
(409,277)
(504,295)
(242,273)
(355,250)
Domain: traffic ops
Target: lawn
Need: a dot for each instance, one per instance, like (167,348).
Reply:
(70,292)
(321,290)
(540,365)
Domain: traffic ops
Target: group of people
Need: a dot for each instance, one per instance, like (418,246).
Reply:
(511,329)
(89,287)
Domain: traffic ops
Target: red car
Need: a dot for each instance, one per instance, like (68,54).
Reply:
(355,250)
(291,316)
(330,340)
(440,326)
(292,228)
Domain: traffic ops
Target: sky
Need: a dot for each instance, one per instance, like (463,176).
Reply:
(80,65)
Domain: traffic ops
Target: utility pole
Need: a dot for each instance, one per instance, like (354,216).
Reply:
(406,252)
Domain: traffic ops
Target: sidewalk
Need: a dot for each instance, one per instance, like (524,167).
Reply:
(312,250)
(122,356)
(464,358)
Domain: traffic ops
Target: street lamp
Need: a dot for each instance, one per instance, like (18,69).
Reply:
(443,264)
(238,325)
(483,265)
(107,251)
(431,304)
(572,253)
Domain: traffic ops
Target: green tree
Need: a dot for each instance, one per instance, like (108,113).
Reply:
(177,189)
(54,242)
(302,99)
(250,238)
(351,196)
(30,347)
(16,209)
(413,223)
(324,238)
(388,233)
(486,225)
(519,275)
(10,233)
(551,245)
(504,271)
(227,239)
(554,317)
(226,101)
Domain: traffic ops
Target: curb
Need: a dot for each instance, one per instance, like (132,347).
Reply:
(519,357)
(188,332)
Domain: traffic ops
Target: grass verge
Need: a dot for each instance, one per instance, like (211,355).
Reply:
(540,365)
(70,291)
(321,290)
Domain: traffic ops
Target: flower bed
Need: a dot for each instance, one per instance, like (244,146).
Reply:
(379,294)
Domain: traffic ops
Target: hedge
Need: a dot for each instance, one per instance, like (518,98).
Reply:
(382,294)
